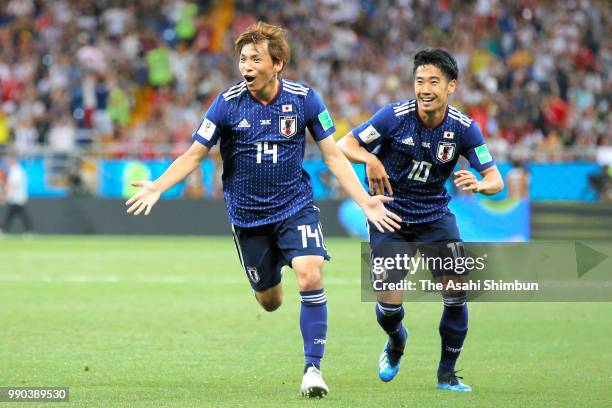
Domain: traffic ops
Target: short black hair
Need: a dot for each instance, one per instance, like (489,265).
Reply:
(439,58)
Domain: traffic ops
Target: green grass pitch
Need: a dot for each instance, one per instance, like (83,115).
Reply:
(172,322)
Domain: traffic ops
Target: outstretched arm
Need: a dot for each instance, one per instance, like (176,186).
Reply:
(150,191)
(377,175)
(490,184)
(372,207)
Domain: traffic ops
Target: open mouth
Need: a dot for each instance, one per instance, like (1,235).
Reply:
(428,99)
(249,79)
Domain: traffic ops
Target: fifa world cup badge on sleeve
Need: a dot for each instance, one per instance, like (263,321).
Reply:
(483,154)
(369,134)
(207,129)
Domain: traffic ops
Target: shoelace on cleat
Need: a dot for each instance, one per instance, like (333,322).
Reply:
(453,378)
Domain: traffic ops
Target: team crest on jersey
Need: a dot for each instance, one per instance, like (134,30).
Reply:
(288,125)
(446,151)
(252,274)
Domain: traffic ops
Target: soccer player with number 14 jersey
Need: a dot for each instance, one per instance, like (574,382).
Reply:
(261,125)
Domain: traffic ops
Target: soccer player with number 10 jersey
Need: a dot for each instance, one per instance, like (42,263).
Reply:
(410,149)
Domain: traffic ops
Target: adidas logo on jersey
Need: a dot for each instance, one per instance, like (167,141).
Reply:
(408,141)
(244,124)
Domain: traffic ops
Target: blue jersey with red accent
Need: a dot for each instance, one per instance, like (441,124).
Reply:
(418,159)
(262,147)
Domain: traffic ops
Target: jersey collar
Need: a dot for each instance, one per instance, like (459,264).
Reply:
(278,91)
(423,123)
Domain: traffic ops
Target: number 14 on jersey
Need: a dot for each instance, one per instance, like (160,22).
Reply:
(267,148)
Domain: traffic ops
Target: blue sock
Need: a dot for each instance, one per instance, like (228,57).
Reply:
(313,323)
(453,330)
(390,317)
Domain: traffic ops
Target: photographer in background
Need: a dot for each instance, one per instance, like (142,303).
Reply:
(15,195)
(602,183)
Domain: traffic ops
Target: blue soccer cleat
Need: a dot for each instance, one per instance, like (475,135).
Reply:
(449,381)
(387,371)
(389,362)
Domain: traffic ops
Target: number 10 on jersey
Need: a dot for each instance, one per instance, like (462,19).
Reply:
(265,148)
(420,171)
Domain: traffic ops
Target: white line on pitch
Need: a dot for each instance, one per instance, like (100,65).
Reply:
(146,279)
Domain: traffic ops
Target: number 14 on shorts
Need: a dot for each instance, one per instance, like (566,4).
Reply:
(311,233)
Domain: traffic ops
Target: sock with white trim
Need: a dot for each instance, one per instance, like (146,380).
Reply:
(313,323)
(453,329)
(389,317)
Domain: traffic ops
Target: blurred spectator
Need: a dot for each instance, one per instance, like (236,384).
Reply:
(4,129)
(62,135)
(160,72)
(602,183)
(194,186)
(26,136)
(77,186)
(517,181)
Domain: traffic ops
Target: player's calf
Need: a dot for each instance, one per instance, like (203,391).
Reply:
(313,310)
(389,317)
(453,330)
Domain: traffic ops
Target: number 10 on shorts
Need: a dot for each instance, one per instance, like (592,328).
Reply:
(308,232)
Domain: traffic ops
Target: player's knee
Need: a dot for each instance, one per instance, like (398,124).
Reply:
(270,303)
(309,276)
(310,282)
(270,300)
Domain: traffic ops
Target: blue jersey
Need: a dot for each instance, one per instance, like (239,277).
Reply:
(419,160)
(262,147)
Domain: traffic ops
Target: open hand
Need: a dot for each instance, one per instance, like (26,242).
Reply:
(467,181)
(144,199)
(378,215)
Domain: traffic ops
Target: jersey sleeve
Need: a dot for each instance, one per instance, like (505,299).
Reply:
(475,149)
(373,131)
(209,130)
(317,117)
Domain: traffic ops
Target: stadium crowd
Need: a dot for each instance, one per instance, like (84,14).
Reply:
(133,78)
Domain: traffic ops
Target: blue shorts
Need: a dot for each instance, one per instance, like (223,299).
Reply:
(264,250)
(431,239)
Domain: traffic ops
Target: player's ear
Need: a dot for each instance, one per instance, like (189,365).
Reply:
(451,86)
(278,66)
